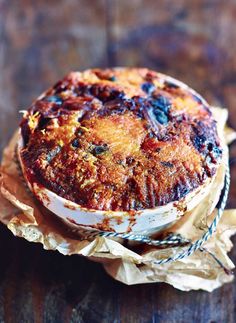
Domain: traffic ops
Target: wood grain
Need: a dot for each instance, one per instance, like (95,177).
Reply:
(40,41)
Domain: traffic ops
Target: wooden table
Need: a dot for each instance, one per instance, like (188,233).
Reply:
(40,41)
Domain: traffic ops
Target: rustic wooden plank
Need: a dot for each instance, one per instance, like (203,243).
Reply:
(41,41)
(136,303)
(45,286)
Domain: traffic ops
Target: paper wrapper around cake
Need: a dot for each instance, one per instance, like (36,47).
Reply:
(27,218)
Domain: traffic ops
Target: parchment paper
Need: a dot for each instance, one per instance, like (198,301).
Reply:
(130,263)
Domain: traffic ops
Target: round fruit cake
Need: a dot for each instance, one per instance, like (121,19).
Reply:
(120,139)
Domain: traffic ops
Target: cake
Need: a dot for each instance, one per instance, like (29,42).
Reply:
(119,140)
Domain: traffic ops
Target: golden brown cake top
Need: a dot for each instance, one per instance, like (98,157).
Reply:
(120,139)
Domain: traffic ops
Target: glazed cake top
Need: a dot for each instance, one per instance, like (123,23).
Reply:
(119,139)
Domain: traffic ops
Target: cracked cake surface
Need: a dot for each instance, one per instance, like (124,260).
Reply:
(119,139)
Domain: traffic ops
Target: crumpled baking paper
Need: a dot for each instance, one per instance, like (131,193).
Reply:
(130,263)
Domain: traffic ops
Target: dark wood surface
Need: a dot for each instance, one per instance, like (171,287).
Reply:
(40,41)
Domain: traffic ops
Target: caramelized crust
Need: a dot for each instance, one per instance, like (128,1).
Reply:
(120,139)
